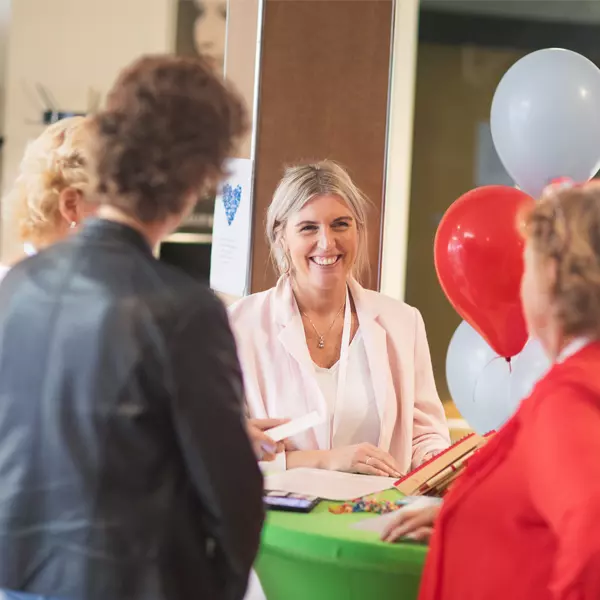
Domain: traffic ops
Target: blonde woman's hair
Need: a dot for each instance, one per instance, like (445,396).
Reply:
(52,162)
(299,185)
(565,226)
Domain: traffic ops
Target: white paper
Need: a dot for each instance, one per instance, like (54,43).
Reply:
(231,237)
(329,485)
(295,426)
(379,523)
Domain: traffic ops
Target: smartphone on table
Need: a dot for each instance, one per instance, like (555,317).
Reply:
(287,501)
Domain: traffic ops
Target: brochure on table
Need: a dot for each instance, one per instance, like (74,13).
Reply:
(329,485)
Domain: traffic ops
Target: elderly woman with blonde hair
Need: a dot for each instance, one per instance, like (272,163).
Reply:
(49,197)
(318,341)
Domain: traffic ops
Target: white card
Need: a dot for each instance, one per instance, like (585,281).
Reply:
(295,426)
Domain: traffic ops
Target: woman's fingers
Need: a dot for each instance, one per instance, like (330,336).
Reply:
(409,522)
(288,445)
(377,459)
(380,466)
(264,424)
(370,469)
(267,456)
(387,459)
(268,444)
(264,447)
(403,524)
(423,534)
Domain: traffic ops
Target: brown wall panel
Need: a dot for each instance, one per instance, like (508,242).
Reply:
(323,94)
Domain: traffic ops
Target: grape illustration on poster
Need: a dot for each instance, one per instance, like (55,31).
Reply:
(231,201)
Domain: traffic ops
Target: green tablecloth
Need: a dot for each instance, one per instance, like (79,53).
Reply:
(318,556)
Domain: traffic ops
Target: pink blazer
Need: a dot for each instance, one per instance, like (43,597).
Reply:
(279,373)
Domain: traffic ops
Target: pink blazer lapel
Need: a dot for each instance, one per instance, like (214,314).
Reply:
(292,338)
(375,339)
(287,315)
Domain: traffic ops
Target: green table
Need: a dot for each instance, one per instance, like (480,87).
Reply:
(318,556)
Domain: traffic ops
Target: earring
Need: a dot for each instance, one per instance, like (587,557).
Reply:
(285,264)
(72,225)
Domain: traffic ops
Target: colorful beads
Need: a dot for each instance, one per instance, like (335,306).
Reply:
(378,507)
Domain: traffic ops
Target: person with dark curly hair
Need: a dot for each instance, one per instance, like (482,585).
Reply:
(49,200)
(126,471)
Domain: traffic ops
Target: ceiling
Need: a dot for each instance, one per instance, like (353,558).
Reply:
(573,11)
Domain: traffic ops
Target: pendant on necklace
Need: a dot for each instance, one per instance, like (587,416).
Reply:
(321,343)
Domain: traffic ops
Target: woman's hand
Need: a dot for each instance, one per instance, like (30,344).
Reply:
(414,524)
(362,458)
(264,447)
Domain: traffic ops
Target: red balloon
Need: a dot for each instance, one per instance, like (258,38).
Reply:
(479,261)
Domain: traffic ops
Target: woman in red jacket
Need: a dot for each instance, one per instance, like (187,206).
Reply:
(523,522)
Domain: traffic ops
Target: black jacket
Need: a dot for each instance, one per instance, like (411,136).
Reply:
(125,469)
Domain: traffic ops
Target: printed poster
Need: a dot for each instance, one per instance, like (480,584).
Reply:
(232,229)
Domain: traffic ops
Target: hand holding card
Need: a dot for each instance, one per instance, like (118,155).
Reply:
(265,447)
(295,426)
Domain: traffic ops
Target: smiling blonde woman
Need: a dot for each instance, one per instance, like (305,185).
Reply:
(319,341)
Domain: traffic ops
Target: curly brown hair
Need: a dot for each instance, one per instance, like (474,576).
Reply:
(565,226)
(169,124)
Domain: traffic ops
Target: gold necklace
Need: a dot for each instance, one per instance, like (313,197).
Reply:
(321,342)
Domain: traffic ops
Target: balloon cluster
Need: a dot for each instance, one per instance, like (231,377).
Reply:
(545,123)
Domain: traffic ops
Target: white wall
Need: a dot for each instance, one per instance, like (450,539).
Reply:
(5,6)
(244,31)
(71,47)
(396,206)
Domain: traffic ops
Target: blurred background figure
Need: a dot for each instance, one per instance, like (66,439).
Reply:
(123,446)
(210,29)
(49,198)
(202,29)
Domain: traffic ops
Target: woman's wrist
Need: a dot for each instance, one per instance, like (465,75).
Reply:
(313,459)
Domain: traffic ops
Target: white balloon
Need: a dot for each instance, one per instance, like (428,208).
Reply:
(485,387)
(528,367)
(545,119)
(491,406)
(467,357)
